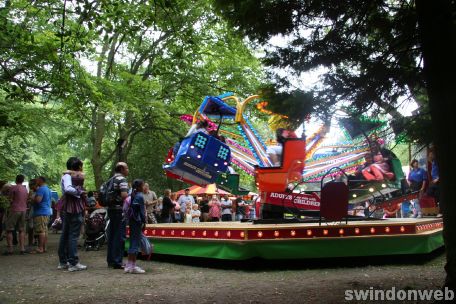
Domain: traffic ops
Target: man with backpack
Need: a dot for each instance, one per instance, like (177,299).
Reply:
(118,186)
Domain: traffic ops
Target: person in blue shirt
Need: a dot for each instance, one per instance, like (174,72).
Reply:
(434,185)
(41,213)
(417,180)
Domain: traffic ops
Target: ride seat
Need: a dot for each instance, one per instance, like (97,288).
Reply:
(276,179)
(334,201)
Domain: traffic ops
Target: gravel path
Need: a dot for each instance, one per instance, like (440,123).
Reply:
(34,278)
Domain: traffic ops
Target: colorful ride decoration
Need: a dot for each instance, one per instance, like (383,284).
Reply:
(302,160)
(243,241)
(200,160)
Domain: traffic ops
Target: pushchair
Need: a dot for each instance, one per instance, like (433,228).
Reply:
(95,229)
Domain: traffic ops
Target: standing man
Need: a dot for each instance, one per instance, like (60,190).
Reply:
(41,213)
(151,200)
(16,219)
(74,197)
(240,208)
(168,207)
(183,200)
(116,228)
(226,209)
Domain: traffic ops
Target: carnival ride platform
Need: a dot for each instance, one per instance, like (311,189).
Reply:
(245,240)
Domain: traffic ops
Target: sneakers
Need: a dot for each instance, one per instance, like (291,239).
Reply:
(135,270)
(63,266)
(77,267)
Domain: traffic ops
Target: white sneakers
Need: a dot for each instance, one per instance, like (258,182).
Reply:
(77,267)
(135,270)
(63,266)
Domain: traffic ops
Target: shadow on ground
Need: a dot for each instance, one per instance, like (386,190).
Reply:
(258,264)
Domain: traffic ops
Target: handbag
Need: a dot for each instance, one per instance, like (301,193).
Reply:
(145,245)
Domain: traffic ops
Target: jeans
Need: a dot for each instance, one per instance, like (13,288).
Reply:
(166,218)
(68,246)
(227,217)
(135,236)
(416,205)
(116,237)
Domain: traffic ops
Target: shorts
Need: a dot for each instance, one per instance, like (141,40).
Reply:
(15,220)
(40,224)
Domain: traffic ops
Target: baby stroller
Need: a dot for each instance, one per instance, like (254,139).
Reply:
(95,225)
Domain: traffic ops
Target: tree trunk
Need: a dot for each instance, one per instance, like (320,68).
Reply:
(98,130)
(438,41)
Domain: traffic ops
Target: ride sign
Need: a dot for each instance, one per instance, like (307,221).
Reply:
(294,200)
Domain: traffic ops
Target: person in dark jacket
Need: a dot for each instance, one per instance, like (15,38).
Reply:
(136,220)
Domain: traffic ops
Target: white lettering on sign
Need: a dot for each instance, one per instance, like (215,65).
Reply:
(198,170)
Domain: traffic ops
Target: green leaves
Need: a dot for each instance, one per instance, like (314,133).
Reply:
(109,70)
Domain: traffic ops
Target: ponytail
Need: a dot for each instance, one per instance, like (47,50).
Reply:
(137,183)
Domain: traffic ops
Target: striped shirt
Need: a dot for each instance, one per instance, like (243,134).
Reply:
(72,184)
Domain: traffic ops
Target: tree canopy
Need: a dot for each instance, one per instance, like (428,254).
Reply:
(370,53)
(108,80)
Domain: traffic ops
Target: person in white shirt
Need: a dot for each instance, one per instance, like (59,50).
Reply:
(200,126)
(275,152)
(183,200)
(188,215)
(226,205)
(195,214)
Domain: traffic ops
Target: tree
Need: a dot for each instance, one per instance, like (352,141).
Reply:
(113,71)
(373,55)
(370,51)
(438,36)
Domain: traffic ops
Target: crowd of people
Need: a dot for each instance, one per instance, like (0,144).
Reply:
(186,208)
(29,212)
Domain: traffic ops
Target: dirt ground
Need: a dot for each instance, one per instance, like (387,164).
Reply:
(34,278)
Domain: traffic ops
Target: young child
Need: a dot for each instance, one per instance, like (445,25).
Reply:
(196,214)
(188,215)
(136,219)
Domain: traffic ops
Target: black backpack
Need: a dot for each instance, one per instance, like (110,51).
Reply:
(107,193)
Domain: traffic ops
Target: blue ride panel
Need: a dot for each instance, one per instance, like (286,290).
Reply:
(201,159)
(213,106)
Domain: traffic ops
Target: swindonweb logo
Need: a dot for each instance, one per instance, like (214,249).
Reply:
(392,294)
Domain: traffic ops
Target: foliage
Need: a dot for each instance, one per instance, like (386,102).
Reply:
(107,81)
(370,51)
